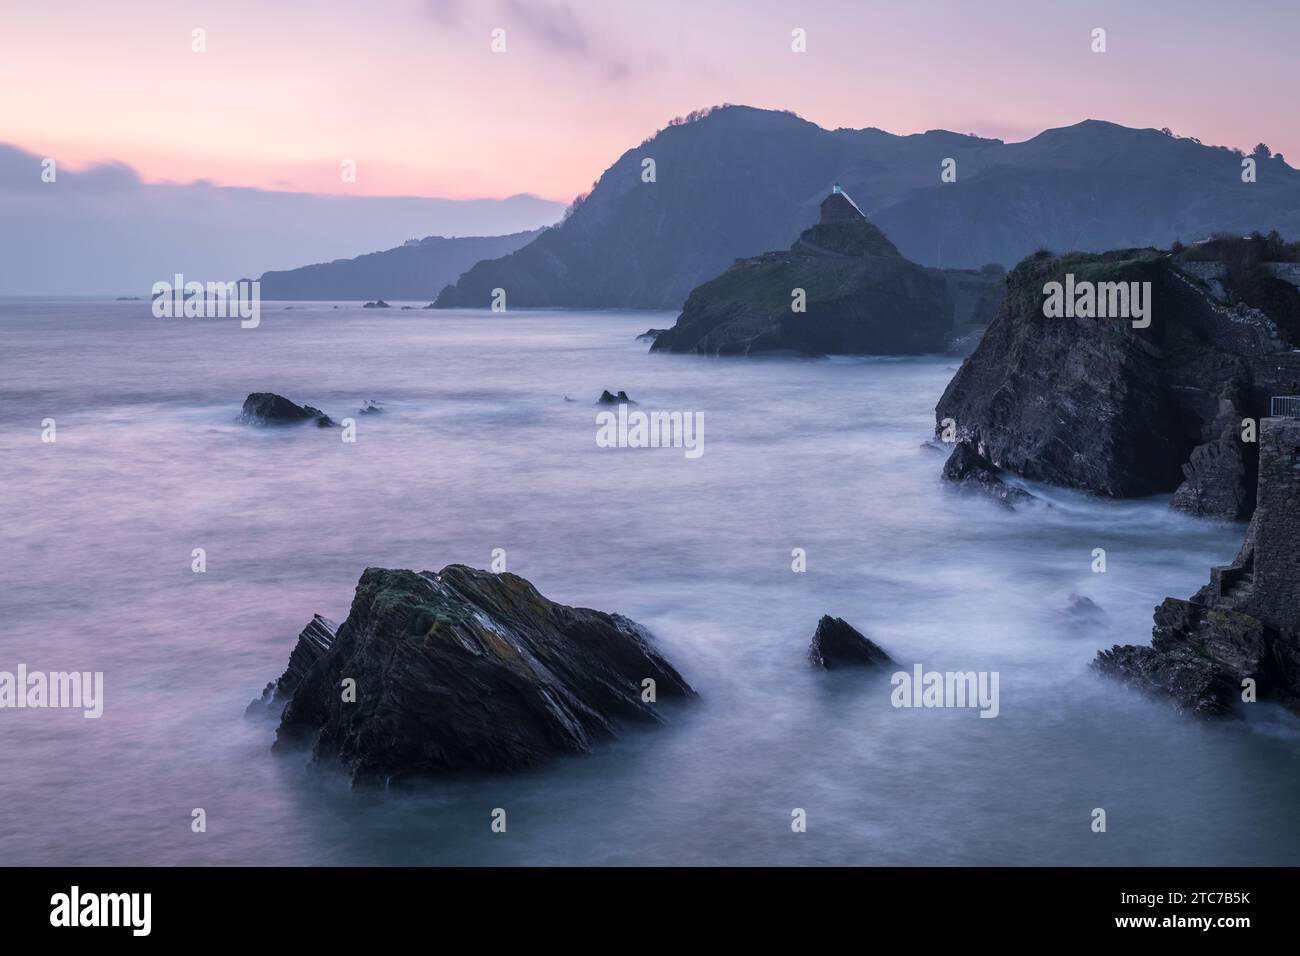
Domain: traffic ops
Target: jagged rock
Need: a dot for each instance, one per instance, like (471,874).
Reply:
(1216,481)
(463,669)
(1219,477)
(836,644)
(378,304)
(267,408)
(1191,680)
(313,643)
(1246,622)
(649,335)
(1198,656)
(606,398)
(371,407)
(968,468)
(860,295)
(1096,404)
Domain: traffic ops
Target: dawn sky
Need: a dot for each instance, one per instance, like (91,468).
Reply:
(411,90)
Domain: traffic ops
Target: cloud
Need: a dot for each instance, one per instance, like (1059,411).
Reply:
(103,230)
(450,13)
(553,25)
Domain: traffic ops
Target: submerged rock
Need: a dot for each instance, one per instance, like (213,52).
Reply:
(464,669)
(371,407)
(837,644)
(1084,610)
(267,408)
(606,398)
(968,468)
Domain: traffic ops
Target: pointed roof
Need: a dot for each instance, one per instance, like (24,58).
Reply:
(839,207)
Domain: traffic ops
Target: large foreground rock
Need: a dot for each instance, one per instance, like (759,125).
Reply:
(464,669)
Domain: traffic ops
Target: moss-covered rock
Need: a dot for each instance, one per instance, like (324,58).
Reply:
(859,296)
(464,669)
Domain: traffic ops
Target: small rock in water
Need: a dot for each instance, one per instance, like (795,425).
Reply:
(608,399)
(267,408)
(378,304)
(968,468)
(837,644)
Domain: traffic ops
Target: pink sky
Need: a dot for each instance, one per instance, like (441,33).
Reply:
(411,90)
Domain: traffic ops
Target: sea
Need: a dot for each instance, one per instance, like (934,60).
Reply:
(817,492)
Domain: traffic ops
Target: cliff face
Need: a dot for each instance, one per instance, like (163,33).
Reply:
(1097,404)
(861,297)
(1245,624)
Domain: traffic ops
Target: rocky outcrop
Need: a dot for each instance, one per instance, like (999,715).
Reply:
(463,669)
(649,335)
(836,644)
(1218,473)
(377,304)
(967,468)
(609,398)
(857,296)
(267,408)
(1097,404)
(1245,624)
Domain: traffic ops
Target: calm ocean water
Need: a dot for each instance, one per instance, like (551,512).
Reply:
(476,450)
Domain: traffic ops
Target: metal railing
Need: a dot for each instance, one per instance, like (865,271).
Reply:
(1286,406)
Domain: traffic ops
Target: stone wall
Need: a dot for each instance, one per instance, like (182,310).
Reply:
(1286,271)
(1276,592)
